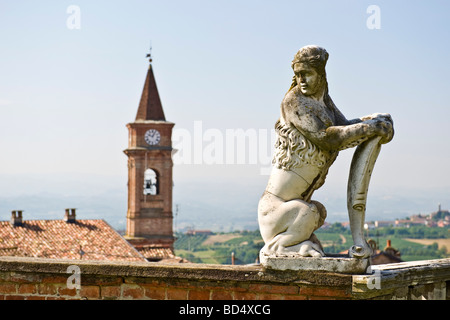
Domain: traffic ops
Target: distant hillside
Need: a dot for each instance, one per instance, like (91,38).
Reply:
(218,205)
(219,247)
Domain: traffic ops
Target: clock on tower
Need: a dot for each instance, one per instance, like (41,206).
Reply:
(152,137)
(149,214)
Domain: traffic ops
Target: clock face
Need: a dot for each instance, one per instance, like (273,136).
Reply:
(152,137)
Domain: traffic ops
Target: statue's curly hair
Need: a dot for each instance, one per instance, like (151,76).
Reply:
(293,150)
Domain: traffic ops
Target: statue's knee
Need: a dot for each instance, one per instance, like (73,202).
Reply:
(322,211)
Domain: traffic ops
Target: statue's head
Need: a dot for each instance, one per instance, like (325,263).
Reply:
(309,70)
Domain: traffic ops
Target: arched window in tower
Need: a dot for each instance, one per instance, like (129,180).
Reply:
(151,184)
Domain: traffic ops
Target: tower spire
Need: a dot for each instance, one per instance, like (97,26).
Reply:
(150,107)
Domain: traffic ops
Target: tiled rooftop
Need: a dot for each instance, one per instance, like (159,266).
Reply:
(58,239)
(159,252)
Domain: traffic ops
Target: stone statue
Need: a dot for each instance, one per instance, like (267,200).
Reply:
(310,133)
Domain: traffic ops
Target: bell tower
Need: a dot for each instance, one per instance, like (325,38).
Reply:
(149,214)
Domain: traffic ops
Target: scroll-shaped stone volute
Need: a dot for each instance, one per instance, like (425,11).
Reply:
(358,184)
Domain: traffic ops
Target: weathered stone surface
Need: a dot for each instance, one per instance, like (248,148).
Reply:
(151,271)
(342,264)
(415,280)
(311,131)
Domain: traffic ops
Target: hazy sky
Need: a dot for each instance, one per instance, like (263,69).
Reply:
(70,83)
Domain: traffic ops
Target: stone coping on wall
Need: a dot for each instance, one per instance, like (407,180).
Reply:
(189,271)
(428,279)
(424,280)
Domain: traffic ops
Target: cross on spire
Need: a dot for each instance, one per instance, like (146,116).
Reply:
(149,55)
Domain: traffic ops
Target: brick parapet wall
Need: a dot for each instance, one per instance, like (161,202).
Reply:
(47,279)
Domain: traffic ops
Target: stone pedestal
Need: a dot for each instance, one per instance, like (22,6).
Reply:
(331,263)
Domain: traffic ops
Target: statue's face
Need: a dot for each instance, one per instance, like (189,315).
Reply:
(308,80)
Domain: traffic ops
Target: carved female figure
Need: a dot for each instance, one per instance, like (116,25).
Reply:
(311,131)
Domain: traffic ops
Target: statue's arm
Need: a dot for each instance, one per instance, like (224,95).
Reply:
(347,136)
(342,120)
(337,137)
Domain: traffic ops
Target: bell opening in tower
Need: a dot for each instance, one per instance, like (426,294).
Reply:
(151,183)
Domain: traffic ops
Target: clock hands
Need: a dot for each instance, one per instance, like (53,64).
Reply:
(152,136)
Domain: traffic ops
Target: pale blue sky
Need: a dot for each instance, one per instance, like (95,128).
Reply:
(66,95)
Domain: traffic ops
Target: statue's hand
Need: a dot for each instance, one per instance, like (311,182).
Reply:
(381,126)
(386,130)
(378,116)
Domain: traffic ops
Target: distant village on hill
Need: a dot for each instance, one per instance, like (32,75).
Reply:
(439,218)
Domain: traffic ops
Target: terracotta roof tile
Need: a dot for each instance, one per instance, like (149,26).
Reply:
(160,252)
(57,239)
(156,252)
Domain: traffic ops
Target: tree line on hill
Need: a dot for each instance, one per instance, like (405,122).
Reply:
(247,244)
(414,232)
(245,247)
